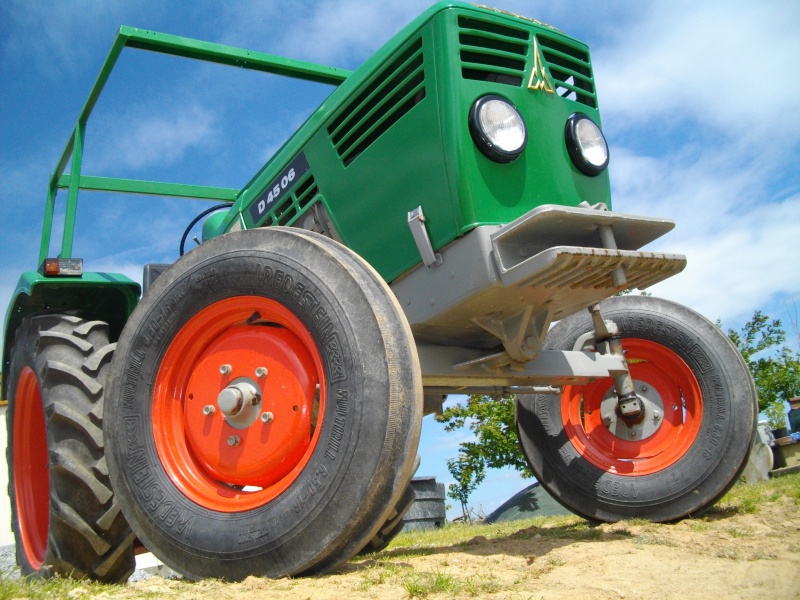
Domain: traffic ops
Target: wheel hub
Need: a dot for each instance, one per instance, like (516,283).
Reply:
(240,403)
(232,442)
(648,418)
(672,414)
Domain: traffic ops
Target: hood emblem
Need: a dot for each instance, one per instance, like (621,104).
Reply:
(539,79)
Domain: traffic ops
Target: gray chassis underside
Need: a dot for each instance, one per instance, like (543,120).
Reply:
(481,309)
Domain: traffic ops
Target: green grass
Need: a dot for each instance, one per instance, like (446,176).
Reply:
(419,585)
(388,567)
(745,499)
(55,588)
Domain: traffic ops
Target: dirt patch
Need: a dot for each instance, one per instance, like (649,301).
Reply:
(730,553)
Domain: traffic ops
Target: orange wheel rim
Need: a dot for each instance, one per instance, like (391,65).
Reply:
(235,459)
(671,429)
(31,475)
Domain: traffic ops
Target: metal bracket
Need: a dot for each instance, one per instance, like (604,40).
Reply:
(598,206)
(416,223)
(468,369)
(522,334)
(629,406)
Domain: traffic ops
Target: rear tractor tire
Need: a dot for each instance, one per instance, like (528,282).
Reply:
(63,512)
(690,446)
(267,407)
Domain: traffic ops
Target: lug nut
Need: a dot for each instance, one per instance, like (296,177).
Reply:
(633,433)
(267,417)
(644,388)
(225,369)
(261,372)
(209,410)
(656,416)
(233,440)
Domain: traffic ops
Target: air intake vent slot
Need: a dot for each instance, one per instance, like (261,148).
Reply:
(492,52)
(570,69)
(390,95)
(294,204)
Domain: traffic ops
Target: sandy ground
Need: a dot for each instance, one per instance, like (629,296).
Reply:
(726,555)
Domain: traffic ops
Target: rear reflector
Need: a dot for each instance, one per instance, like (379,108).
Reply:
(63,267)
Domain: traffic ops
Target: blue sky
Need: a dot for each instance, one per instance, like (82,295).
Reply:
(698,103)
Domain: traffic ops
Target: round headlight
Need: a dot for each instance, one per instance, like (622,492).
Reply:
(586,145)
(497,128)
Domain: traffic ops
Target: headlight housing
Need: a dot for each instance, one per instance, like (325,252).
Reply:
(497,128)
(586,145)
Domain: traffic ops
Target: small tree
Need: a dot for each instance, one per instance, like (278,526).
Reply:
(496,444)
(467,475)
(776,374)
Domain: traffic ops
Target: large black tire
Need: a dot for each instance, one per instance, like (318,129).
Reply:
(393,525)
(63,511)
(204,495)
(694,439)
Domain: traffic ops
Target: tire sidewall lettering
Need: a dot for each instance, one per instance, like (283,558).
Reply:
(295,287)
(707,449)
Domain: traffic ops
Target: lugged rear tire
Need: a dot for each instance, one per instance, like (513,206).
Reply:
(63,512)
(695,436)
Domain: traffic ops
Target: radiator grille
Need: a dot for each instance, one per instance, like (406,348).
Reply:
(492,52)
(502,54)
(570,69)
(390,95)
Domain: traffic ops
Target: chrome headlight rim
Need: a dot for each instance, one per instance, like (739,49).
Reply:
(482,139)
(576,150)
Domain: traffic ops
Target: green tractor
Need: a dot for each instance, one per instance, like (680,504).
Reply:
(256,409)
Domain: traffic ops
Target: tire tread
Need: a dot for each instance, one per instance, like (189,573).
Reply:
(88,535)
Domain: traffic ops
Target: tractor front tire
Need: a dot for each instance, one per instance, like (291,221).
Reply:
(267,407)
(694,437)
(63,511)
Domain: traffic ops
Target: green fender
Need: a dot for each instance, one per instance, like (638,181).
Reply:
(109,297)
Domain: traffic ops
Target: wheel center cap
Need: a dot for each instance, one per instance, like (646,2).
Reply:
(239,403)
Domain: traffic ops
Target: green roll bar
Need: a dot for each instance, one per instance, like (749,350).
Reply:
(131,37)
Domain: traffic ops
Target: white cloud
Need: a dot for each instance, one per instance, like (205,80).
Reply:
(344,29)
(724,64)
(739,239)
(695,100)
(137,140)
(58,37)
(339,33)
(740,262)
